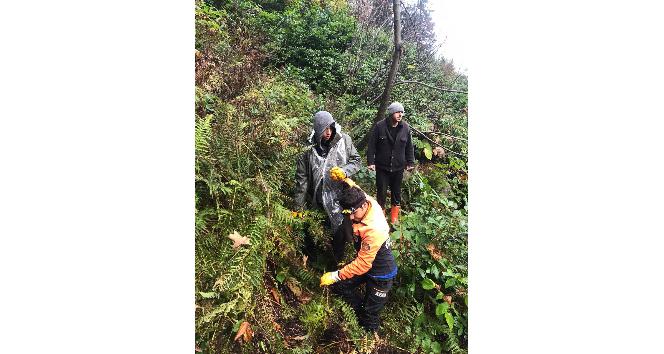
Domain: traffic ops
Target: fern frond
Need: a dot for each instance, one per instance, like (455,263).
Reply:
(452,344)
(309,279)
(223,309)
(203,134)
(350,319)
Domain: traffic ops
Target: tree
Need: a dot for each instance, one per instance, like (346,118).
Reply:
(396,59)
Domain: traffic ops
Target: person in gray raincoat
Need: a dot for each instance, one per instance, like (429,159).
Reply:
(313,185)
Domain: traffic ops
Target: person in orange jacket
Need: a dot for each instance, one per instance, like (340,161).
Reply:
(389,152)
(374,264)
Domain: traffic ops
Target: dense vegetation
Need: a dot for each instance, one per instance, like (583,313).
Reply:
(263,67)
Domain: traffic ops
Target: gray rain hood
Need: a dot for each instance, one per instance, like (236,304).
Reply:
(321,167)
(322,120)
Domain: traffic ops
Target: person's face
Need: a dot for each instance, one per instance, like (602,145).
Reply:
(396,117)
(327,133)
(358,214)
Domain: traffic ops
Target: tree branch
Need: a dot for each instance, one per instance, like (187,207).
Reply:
(447,135)
(429,86)
(435,143)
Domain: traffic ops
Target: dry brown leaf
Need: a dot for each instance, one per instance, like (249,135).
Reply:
(244,332)
(304,261)
(198,349)
(277,327)
(238,240)
(306,297)
(294,287)
(448,299)
(300,337)
(434,252)
(439,151)
(219,282)
(275,295)
(301,295)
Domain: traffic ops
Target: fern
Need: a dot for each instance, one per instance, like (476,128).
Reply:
(281,215)
(223,309)
(208,295)
(314,317)
(452,343)
(350,319)
(309,279)
(203,218)
(203,134)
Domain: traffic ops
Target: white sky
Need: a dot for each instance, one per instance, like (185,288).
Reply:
(451,30)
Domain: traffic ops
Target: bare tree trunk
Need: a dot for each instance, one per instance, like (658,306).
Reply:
(396,59)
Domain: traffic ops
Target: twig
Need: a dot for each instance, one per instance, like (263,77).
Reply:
(375,98)
(429,86)
(331,344)
(435,143)
(451,85)
(347,340)
(392,345)
(447,135)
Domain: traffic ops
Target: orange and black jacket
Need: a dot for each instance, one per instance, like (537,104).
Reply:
(374,256)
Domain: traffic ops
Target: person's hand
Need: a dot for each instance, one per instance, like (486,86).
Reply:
(329,278)
(372,167)
(410,168)
(337,174)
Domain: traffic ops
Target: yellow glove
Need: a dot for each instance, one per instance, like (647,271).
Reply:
(329,278)
(296,214)
(337,174)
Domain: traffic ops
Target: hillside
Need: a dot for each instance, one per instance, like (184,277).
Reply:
(262,69)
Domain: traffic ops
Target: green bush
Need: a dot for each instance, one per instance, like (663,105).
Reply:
(309,39)
(431,249)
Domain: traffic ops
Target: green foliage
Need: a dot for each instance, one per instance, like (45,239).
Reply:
(314,317)
(431,250)
(211,27)
(349,319)
(309,39)
(245,191)
(428,284)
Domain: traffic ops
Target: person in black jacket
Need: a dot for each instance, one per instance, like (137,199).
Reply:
(390,151)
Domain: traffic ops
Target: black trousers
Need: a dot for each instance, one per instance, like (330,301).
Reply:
(344,234)
(367,307)
(391,179)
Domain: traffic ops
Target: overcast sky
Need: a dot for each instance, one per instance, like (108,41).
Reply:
(450,20)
